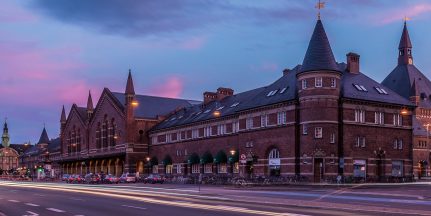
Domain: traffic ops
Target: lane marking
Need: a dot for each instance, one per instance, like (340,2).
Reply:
(31,213)
(55,210)
(77,199)
(135,207)
(15,201)
(32,204)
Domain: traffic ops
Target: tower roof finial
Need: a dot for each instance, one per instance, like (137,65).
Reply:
(130,89)
(319,6)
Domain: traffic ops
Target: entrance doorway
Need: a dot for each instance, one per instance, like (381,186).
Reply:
(318,169)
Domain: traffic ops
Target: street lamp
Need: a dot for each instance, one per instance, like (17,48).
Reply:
(148,165)
(135,103)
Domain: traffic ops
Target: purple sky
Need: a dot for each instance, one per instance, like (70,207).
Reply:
(53,51)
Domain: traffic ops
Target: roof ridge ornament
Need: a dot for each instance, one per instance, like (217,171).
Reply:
(319,6)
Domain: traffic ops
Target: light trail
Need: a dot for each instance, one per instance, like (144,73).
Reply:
(150,200)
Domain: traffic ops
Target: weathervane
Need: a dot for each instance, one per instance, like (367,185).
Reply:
(319,6)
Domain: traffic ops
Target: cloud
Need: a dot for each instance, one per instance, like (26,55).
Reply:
(171,87)
(265,67)
(11,13)
(397,14)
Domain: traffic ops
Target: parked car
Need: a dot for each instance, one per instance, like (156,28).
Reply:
(111,179)
(64,177)
(92,178)
(154,178)
(73,179)
(128,178)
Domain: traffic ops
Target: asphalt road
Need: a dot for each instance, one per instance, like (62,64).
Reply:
(18,198)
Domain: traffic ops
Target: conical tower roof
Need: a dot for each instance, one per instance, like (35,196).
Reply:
(405,38)
(90,106)
(63,115)
(130,89)
(319,54)
(43,137)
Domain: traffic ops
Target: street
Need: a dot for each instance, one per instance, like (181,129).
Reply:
(32,198)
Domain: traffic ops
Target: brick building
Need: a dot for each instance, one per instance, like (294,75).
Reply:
(409,82)
(319,120)
(112,137)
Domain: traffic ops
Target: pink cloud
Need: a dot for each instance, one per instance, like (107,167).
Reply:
(33,76)
(171,87)
(193,43)
(10,12)
(414,11)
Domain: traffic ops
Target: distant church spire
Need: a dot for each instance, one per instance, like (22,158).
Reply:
(130,89)
(63,116)
(5,137)
(405,47)
(90,107)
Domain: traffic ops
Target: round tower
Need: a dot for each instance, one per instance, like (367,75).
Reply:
(318,84)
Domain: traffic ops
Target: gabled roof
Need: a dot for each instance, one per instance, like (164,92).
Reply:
(401,79)
(43,137)
(32,150)
(319,54)
(19,148)
(54,145)
(153,106)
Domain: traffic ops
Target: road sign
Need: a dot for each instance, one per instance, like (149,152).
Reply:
(243,156)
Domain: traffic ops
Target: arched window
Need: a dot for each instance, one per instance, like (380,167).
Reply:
(98,137)
(78,141)
(112,134)
(105,134)
(274,162)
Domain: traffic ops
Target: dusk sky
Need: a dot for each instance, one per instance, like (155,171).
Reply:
(52,52)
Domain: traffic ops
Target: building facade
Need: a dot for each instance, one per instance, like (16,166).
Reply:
(112,137)
(10,153)
(321,119)
(409,82)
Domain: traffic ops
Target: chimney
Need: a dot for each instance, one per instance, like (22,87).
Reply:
(286,71)
(353,62)
(224,92)
(209,96)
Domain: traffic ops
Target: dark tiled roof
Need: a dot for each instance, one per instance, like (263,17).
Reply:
(152,106)
(32,150)
(401,79)
(54,145)
(43,137)
(372,94)
(319,54)
(82,111)
(20,148)
(259,97)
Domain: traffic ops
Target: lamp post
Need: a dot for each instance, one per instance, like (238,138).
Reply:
(232,153)
(148,165)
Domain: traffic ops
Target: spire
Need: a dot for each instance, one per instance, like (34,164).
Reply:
(43,137)
(89,102)
(130,90)
(405,47)
(319,54)
(5,136)
(63,116)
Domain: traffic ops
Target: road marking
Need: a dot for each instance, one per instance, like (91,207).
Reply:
(15,201)
(31,213)
(32,204)
(136,207)
(77,199)
(55,210)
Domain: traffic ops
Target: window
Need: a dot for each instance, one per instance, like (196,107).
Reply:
(332,138)
(395,145)
(318,82)
(283,90)
(234,104)
(249,123)
(274,162)
(400,144)
(380,90)
(235,168)
(168,169)
(379,118)
(397,168)
(360,142)
(178,166)
(397,120)
(360,116)
(304,84)
(281,118)
(222,168)
(333,83)
(263,120)
(195,168)
(155,169)
(305,129)
(359,168)
(360,87)
(318,132)
(208,168)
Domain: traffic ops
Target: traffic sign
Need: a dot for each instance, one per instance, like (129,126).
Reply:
(243,156)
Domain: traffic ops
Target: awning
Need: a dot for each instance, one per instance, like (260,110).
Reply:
(193,159)
(167,160)
(207,158)
(220,157)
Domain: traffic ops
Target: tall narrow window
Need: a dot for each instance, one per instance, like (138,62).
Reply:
(304,129)
(318,133)
(304,84)
(332,138)
(333,83)
(318,82)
